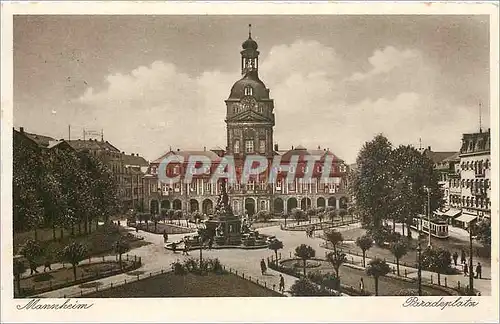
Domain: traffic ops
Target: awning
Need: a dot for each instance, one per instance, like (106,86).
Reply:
(439,213)
(466,218)
(452,212)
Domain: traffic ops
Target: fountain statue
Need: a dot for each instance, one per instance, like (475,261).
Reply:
(224,225)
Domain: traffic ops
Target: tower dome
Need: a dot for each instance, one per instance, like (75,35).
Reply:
(250,44)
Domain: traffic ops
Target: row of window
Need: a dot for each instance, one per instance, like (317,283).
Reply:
(477,202)
(471,183)
(249,146)
(477,166)
(306,186)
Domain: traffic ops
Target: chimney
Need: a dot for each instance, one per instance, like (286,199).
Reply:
(276,147)
(204,148)
(292,147)
(429,148)
(21,130)
(178,150)
(319,148)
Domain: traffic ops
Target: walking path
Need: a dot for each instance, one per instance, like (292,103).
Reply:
(155,258)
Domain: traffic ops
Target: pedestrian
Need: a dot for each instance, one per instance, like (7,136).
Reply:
(263,267)
(362,285)
(282,283)
(47,266)
(174,247)
(466,269)
(455,258)
(479,270)
(186,249)
(462,257)
(136,228)
(165,236)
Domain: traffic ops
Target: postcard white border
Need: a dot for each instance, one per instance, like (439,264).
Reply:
(291,310)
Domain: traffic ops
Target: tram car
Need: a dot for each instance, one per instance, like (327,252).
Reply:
(438,227)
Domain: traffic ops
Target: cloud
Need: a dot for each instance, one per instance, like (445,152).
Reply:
(318,101)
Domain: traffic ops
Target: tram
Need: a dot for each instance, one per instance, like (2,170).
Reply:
(438,227)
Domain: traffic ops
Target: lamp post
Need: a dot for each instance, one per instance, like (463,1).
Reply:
(429,213)
(419,251)
(471,276)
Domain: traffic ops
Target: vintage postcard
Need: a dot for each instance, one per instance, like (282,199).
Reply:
(249,162)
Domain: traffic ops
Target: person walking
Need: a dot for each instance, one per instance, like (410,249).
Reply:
(479,270)
(263,266)
(174,247)
(47,266)
(466,269)
(282,283)
(185,251)
(462,257)
(455,258)
(362,285)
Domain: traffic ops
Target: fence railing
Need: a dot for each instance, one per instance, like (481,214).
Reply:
(261,283)
(325,224)
(101,287)
(130,262)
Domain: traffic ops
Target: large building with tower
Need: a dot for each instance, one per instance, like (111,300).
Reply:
(250,120)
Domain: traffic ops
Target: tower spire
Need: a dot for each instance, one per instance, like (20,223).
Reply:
(249,30)
(480,121)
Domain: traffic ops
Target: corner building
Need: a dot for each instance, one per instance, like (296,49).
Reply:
(249,122)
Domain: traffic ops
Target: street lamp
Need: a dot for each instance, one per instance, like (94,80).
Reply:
(471,276)
(419,251)
(429,213)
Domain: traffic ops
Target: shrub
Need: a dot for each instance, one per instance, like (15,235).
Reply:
(305,287)
(191,265)
(178,268)
(410,292)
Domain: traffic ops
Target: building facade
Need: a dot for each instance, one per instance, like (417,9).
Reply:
(127,169)
(250,121)
(475,176)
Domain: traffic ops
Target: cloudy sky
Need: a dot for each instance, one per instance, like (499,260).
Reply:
(155,82)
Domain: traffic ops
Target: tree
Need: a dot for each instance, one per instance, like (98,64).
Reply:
(170,215)
(377,268)
(399,249)
(305,252)
(263,215)
(371,182)
(276,245)
(412,173)
(332,213)
(178,216)
(440,261)
(74,253)
(342,213)
(335,238)
(483,232)
(298,214)
(285,216)
(336,258)
(31,250)
(365,243)
(121,246)
(18,270)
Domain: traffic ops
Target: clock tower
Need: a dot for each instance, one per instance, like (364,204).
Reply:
(249,116)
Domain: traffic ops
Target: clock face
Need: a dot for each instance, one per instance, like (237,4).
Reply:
(248,103)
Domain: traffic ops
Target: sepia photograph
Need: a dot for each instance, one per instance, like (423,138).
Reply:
(182,157)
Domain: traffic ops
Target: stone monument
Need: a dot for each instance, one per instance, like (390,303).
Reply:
(225,225)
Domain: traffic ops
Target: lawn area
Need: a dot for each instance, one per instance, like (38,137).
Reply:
(99,242)
(190,285)
(164,227)
(64,276)
(257,225)
(388,286)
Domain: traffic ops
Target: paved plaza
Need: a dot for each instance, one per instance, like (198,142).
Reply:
(156,258)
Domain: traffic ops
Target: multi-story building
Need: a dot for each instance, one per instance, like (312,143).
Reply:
(128,170)
(250,121)
(475,177)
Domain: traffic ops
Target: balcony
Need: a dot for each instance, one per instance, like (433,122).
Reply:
(479,175)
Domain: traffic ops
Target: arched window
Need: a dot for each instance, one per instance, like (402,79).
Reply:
(248,91)
(487,164)
(463,183)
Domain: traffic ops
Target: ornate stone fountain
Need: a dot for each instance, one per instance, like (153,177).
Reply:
(225,225)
